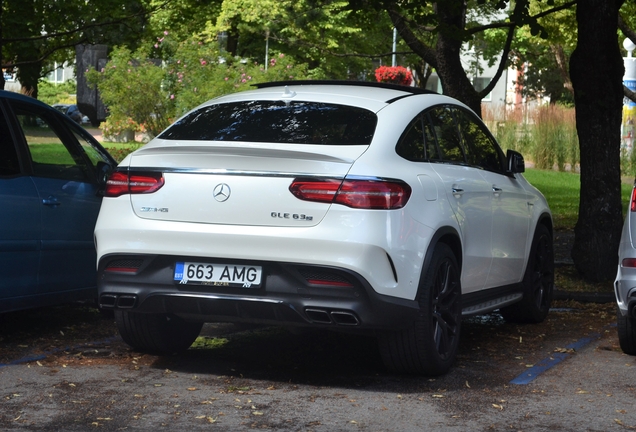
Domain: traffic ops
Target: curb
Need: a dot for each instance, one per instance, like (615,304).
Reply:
(584,297)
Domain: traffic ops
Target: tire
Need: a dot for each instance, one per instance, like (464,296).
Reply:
(156,333)
(538,282)
(429,347)
(626,332)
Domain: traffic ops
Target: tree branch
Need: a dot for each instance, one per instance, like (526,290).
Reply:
(502,64)
(627,31)
(424,51)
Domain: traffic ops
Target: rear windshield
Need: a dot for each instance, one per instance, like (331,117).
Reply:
(277,122)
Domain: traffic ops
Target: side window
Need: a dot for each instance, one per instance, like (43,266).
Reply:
(53,153)
(9,163)
(418,143)
(411,145)
(94,154)
(447,134)
(480,149)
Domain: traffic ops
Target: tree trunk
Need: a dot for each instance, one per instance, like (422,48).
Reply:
(455,81)
(29,75)
(596,69)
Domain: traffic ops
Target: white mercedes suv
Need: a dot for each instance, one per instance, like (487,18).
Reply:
(349,206)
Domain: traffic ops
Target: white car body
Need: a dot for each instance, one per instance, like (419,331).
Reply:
(625,283)
(489,219)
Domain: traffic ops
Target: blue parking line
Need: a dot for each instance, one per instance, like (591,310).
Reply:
(529,375)
(45,354)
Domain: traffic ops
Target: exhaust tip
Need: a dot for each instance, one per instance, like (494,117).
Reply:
(126,301)
(345,318)
(318,315)
(107,301)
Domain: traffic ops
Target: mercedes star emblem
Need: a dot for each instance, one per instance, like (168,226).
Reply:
(221,192)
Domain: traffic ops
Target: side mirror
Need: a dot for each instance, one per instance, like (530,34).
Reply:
(516,164)
(103,172)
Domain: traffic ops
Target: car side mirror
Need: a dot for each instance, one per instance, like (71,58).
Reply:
(516,164)
(103,172)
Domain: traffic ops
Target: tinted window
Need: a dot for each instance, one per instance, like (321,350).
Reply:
(278,122)
(480,149)
(418,143)
(411,145)
(53,153)
(9,164)
(448,139)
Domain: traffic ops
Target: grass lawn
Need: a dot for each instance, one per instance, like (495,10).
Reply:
(562,189)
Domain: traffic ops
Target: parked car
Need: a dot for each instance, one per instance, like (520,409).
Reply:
(51,175)
(625,283)
(349,206)
(72,111)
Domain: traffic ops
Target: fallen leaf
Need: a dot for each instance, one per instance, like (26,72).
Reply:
(499,407)
(438,396)
(257,413)
(467,385)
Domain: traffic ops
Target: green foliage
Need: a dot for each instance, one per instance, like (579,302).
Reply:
(38,33)
(130,86)
(120,151)
(147,96)
(52,93)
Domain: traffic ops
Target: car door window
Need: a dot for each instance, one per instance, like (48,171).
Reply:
(447,134)
(418,144)
(481,151)
(53,153)
(94,154)
(9,163)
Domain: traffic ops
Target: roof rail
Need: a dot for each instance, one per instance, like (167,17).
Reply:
(409,89)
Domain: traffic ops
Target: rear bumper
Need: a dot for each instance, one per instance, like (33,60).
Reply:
(625,290)
(287,296)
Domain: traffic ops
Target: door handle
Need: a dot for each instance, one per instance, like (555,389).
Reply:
(51,201)
(457,190)
(496,190)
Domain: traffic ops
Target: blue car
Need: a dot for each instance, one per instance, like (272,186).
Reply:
(51,177)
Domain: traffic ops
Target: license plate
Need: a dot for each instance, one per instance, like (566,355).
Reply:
(233,275)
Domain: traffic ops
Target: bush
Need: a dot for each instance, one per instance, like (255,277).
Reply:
(52,93)
(151,94)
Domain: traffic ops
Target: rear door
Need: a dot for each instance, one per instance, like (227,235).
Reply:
(470,196)
(20,227)
(511,203)
(65,179)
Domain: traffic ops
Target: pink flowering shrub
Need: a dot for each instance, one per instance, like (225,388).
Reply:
(394,75)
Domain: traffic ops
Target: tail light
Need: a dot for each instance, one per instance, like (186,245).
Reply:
(355,193)
(629,262)
(124,182)
(633,200)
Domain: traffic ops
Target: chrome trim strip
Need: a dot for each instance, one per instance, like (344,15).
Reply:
(221,297)
(229,172)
